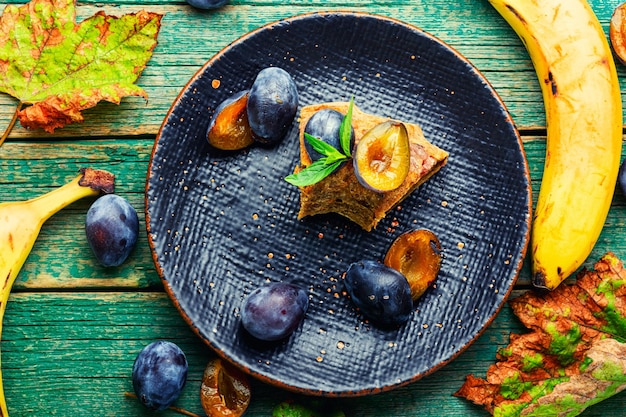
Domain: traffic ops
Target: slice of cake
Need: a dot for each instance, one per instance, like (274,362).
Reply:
(342,193)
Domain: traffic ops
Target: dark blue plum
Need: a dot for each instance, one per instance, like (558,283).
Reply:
(324,125)
(274,311)
(207,4)
(111,227)
(621,178)
(381,293)
(159,374)
(272,105)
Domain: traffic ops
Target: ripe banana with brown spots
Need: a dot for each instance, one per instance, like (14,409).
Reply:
(580,89)
(20,223)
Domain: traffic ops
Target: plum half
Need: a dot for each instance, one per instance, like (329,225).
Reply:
(229,129)
(382,158)
(416,254)
(225,390)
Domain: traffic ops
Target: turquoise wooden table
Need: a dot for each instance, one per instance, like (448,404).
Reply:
(72,329)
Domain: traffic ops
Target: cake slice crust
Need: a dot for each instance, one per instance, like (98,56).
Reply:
(343,194)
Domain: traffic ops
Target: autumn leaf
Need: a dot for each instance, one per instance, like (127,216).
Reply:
(573,357)
(57,68)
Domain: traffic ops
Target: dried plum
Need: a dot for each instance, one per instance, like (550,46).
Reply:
(229,129)
(417,255)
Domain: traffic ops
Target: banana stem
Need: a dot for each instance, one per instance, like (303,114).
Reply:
(44,206)
(90,182)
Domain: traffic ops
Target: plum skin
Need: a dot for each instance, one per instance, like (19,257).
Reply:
(111,228)
(272,105)
(381,293)
(159,374)
(621,178)
(207,4)
(324,125)
(274,311)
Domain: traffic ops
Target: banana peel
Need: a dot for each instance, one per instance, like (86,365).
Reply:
(21,221)
(580,88)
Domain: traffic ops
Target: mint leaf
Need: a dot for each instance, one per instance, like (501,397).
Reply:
(345,130)
(325,166)
(314,173)
(324,148)
(335,157)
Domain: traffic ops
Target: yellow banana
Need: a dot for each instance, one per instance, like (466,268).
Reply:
(580,89)
(21,221)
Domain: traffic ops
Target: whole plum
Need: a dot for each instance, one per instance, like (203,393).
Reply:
(207,4)
(274,311)
(381,293)
(325,125)
(159,374)
(272,105)
(111,228)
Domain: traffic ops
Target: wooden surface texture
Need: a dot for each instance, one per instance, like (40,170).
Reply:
(72,329)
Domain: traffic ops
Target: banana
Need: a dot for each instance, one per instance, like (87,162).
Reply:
(21,221)
(580,89)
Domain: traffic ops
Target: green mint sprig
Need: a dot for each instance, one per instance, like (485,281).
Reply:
(345,130)
(331,158)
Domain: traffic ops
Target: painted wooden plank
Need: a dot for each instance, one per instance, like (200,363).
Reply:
(72,354)
(472,28)
(61,257)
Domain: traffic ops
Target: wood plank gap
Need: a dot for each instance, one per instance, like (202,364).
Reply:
(47,138)
(532,131)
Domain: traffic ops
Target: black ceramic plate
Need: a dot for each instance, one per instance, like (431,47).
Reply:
(222,224)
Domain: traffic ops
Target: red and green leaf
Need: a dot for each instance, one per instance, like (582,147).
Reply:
(573,357)
(57,68)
